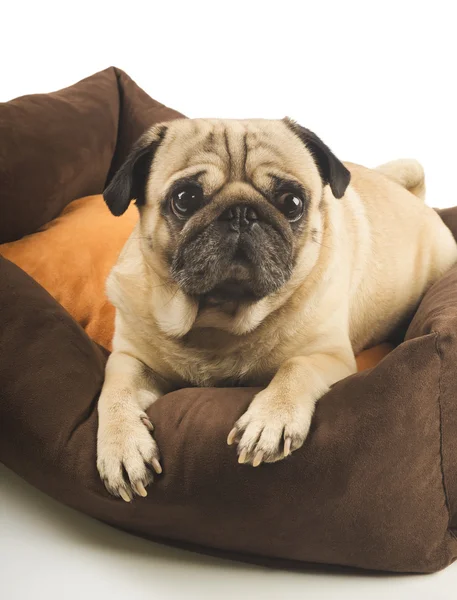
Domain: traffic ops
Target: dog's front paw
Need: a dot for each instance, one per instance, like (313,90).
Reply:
(127,453)
(271,428)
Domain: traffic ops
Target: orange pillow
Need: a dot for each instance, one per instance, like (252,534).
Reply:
(371,357)
(72,256)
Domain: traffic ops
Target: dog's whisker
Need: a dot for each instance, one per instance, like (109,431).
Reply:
(172,298)
(322,244)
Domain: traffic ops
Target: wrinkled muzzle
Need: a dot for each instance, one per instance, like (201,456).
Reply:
(236,257)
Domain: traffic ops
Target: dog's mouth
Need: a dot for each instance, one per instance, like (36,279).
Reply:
(237,285)
(231,291)
(241,258)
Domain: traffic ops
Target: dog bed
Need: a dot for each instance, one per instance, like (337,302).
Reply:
(375,484)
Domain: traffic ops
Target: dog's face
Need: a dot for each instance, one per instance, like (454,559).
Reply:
(228,208)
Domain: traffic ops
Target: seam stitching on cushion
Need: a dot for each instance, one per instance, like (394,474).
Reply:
(120,93)
(443,477)
(85,416)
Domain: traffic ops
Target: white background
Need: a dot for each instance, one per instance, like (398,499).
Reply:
(375,80)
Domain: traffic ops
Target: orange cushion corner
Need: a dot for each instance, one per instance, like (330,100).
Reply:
(371,357)
(71,258)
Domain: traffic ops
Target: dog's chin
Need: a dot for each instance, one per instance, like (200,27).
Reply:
(241,284)
(230,293)
(237,287)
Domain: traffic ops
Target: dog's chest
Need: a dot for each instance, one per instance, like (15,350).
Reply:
(207,358)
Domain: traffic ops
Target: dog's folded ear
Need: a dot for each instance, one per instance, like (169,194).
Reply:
(332,170)
(130,180)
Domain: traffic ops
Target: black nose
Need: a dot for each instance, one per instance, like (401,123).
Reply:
(240,218)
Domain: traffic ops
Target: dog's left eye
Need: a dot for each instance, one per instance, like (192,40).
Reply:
(290,205)
(186,200)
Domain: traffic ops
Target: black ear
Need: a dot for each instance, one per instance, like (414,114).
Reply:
(332,170)
(130,180)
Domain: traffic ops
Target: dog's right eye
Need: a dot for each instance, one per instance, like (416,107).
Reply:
(186,200)
(291,205)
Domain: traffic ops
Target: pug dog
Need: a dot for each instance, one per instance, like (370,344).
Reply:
(259,259)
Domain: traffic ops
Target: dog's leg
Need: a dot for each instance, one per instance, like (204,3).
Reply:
(126,451)
(278,419)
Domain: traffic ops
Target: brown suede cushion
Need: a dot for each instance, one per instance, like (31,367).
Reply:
(71,258)
(374,486)
(57,147)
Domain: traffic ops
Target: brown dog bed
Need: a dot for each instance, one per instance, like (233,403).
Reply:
(375,484)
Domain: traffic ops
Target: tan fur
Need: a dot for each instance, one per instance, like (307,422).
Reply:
(407,172)
(371,256)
